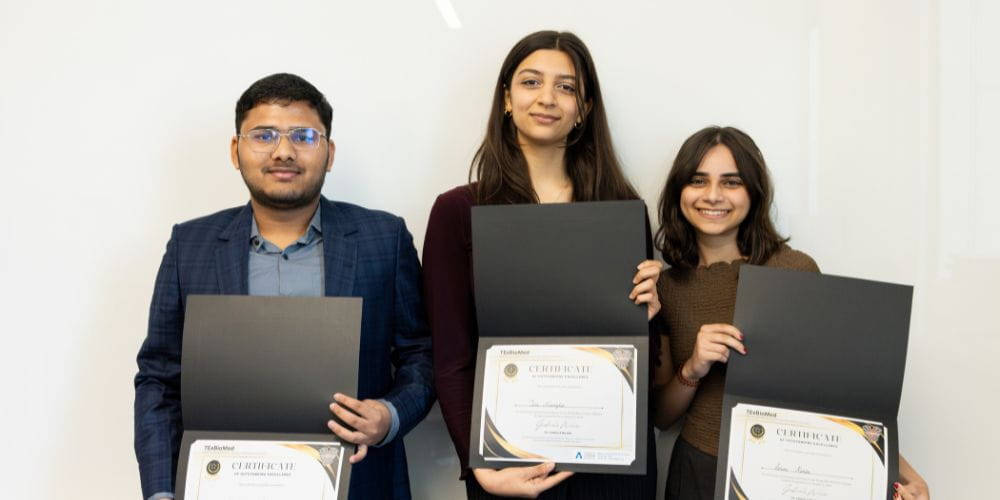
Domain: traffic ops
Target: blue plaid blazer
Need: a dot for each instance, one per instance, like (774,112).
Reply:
(368,254)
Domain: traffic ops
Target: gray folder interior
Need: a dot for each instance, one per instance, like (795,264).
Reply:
(267,364)
(819,343)
(821,340)
(558,269)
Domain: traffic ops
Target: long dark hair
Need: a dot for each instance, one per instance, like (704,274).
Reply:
(591,163)
(757,238)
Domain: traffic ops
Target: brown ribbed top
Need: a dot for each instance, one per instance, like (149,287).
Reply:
(691,298)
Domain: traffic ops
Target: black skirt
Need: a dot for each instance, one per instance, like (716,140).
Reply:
(691,475)
(591,486)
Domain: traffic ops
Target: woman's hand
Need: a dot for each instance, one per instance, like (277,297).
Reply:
(520,482)
(913,490)
(911,485)
(712,346)
(644,291)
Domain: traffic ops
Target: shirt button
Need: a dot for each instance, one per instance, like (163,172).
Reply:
(284,256)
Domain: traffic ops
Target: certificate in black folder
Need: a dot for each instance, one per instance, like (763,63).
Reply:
(258,374)
(811,411)
(562,366)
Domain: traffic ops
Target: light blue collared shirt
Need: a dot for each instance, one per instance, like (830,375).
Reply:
(297,270)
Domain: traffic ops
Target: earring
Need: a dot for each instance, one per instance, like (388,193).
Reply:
(507,113)
(578,123)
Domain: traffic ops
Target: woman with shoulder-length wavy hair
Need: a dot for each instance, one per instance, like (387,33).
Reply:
(547,141)
(714,216)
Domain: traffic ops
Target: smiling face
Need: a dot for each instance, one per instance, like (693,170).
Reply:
(715,200)
(288,177)
(542,98)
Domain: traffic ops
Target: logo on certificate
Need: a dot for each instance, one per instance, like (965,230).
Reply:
(328,455)
(757,432)
(872,432)
(622,358)
(213,467)
(510,371)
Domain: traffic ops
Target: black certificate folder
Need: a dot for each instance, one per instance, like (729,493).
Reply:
(818,343)
(561,347)
(257,376)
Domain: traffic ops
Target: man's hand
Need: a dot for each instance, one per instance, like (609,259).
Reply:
(370,419)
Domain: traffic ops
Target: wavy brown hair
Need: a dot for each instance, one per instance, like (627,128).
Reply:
(757,238)
(499,165)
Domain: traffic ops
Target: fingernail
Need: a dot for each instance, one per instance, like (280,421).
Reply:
(895,486)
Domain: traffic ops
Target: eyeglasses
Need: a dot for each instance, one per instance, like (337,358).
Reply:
(265,140)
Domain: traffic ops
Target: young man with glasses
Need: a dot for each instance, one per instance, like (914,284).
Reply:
(280,242)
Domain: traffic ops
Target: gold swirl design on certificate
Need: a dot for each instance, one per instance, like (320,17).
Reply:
(224,469)
(561,403)
(778,453)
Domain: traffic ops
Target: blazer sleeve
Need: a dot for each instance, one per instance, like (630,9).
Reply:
(413,390)
(158,424)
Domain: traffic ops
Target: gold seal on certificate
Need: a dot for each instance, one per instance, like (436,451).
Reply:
(780,453)
(223,469)
(561,403)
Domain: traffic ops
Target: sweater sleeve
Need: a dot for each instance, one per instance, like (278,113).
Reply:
(451,312)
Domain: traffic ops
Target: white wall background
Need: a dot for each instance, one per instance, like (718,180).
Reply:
(877,118)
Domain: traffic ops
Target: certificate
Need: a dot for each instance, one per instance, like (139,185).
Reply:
(777,453)
(573,404)
(550,386)
(224,469)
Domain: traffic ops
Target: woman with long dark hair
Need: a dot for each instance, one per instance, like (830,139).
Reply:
(547,141)
(714,216)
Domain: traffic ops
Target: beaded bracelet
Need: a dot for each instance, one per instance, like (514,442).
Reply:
(684,380)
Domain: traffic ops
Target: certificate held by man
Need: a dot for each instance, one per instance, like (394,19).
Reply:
(223,469)
(560,403)
(562,365)
(255,403)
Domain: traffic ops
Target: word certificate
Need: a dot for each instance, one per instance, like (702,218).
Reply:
(777,453)
(259,470)
(561,403)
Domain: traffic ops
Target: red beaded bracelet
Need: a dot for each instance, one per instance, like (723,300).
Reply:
(684,380)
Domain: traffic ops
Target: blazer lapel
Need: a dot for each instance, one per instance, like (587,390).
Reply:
(340,253)
(232,257)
